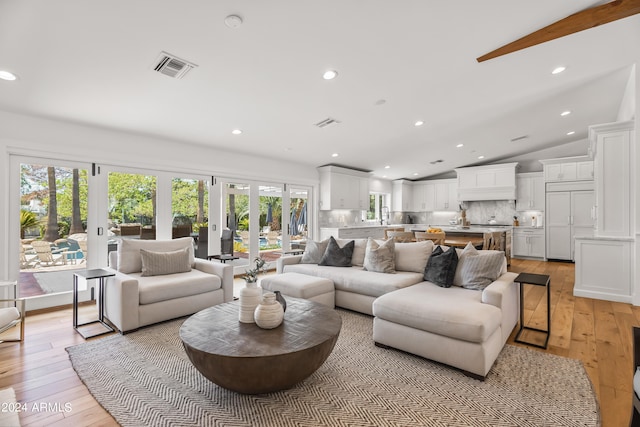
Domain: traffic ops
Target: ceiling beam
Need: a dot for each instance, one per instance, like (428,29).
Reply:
(583,20)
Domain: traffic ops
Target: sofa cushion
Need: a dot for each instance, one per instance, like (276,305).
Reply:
(478,269)
(453,312)
(130,260)
(161,263)
(336,256)
(171,286)
(441,267)
(359,249)
(413,256)
(313,251)
(359,281)
(379,257)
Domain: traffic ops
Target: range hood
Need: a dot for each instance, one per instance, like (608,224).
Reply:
(491,182)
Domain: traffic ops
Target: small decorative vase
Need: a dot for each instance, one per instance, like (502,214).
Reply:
(281,300)
(269,313)
(250,297)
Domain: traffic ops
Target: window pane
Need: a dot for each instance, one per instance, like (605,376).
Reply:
(132,205)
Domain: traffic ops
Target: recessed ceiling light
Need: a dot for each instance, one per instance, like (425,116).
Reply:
(480,157)
(387,167)
(419,123)
(459,145)
(236,131)
(384,176)
(335,155)
(565,113)
(571,132)
(415,174)
(558,70)
(330,74)
(6,75)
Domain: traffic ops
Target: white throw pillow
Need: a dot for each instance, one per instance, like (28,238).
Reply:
(478,269)
(413,256)
(130,261)
(162,263)
(313,251)
(379,257)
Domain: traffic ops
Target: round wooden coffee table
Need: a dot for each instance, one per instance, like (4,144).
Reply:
(247,359)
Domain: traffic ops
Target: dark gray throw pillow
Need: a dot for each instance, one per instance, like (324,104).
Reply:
(337,256)
(441,267)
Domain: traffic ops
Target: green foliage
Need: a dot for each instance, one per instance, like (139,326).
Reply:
(184,199)
(63,228)
(28,220)
(65,195)
(131,197)
(251,276)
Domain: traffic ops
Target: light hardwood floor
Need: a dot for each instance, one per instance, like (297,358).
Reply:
(596,332)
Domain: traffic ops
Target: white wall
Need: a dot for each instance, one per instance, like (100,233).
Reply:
(41,137)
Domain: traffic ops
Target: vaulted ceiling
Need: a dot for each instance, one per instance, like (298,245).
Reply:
(397,63)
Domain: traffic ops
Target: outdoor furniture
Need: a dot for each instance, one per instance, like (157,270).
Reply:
(27,260)
(272,237)
(46,255)
(130,229)
(83,248)
(11,317)
(437,238)
(178,231)
(148,232)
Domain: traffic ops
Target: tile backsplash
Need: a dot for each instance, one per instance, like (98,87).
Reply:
(479,212)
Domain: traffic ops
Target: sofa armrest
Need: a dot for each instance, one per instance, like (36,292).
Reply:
(113,260)
(225,272)
(121,301)
(286,260)
(495,293)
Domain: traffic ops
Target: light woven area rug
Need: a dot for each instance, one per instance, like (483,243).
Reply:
(145,379)
(10,408)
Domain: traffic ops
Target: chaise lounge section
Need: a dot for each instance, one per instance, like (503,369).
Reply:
(465,325)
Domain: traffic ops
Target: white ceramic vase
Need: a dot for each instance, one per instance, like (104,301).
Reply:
(269,313)
(250,297)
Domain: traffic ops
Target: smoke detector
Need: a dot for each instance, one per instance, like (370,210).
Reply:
(233,21)
(172,66)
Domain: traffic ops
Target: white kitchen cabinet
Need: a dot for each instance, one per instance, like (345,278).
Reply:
(568,169)
(611,146)
(530,192)
(604,268)
(376,232)
(491,182)
(568,214)
(423,197)
(446,195)
(402,197)
(528,242)
(342,188)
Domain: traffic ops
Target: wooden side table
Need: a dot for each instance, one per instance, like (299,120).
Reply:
(99,274)
(537,280)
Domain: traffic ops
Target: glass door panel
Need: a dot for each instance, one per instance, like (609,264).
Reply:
(132,207)
(53,224)
(236,236)
(299,220)
(270,237)
(190,212)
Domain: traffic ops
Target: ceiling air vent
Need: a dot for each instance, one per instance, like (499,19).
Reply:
(172,66)
(519,138)
(326,122)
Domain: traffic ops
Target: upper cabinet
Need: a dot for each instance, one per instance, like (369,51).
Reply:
(342,188)
(402,196)
(491,182)
(530,192)
(611,145)
(446,195)
(568,169)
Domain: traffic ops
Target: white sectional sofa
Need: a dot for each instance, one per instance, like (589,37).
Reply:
(134,298)
(464,328)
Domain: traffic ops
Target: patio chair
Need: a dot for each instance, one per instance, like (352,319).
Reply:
(46,255)
(83,248)
(11,317)
(272,237)
(26,260)
(437,238)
